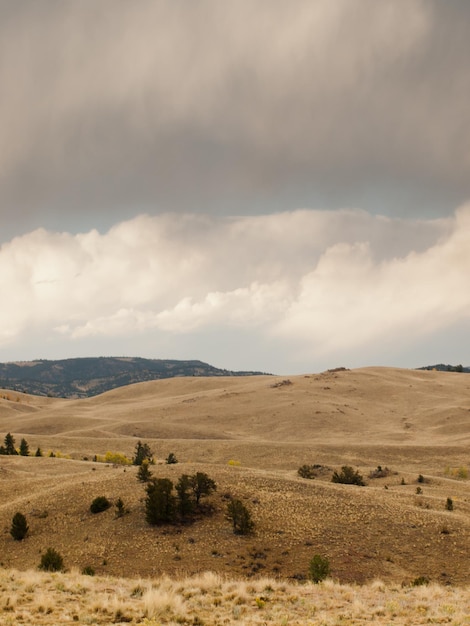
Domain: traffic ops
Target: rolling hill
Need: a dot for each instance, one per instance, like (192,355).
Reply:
(251,434)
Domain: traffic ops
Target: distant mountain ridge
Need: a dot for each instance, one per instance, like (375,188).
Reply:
(441,367)
(85,377)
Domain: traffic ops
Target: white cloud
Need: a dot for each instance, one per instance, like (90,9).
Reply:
(319,282)
(349,301)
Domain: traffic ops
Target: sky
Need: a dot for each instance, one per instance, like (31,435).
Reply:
(261,185)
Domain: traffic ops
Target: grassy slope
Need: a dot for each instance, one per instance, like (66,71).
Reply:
(413,422)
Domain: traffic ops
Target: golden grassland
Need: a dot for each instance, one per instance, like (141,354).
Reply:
(31,597)
(250,435)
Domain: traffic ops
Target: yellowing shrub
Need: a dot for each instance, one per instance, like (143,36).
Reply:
(457,472)
(117,458)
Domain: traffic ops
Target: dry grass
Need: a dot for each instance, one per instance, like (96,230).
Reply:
(50,599)
(251,437)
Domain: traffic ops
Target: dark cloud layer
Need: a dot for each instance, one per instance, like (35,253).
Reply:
(113,108)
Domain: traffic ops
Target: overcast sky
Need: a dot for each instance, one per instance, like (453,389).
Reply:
(260,184)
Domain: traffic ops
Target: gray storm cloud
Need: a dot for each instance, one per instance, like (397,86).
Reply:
(110,108)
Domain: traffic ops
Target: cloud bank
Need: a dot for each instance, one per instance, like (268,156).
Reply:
(320,284)
(118,107)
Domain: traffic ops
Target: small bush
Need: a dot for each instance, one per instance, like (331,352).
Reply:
(88,570)
(171,459)
(380,472)
(116,458)
(121,509)
(19,527)
(99,504)
(51,561)
(306,471)
(449,504)
(348,476)
(419,490)
(457,472)
(421,478)
(420,581)
(319,568)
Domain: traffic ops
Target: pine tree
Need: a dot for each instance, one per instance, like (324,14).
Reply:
(160,502)
(144,474)
(201,485)
(120,508)
(24,448)
(19,527)
(38,452)
(142,453)
(240,517)
(10,444)
(185,504)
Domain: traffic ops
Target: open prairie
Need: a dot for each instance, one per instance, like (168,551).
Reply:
(251,435)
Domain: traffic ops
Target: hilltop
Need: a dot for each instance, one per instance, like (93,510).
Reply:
(85,377)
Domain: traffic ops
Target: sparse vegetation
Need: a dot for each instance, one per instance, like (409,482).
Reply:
(240,516)
(461,473)
(307,471)
(319,568)
(347,476)
(51,561)
(100,504)
(380,472)
(19,527)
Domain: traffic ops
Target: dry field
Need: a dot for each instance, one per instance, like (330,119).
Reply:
(212,600)
(250,435)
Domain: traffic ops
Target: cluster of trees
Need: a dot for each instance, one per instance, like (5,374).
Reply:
(162,506)
(9,448)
